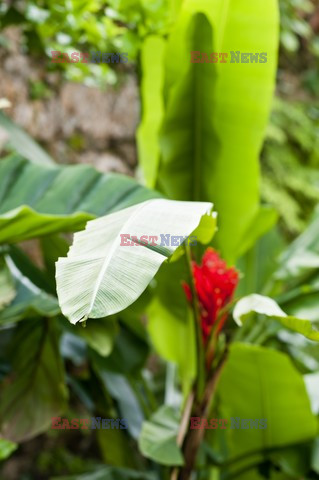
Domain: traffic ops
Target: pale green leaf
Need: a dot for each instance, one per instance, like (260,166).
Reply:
(158,438)
(99,334)
(100,276)
(267,306)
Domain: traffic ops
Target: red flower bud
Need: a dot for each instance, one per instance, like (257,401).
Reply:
(215,284)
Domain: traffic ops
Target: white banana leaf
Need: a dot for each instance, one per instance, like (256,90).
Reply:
(100,277)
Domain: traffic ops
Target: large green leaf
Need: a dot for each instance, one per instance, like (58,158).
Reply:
(21,142)
(100,276)
(37,200)
(267,306)
(260,383)
(153,109)
(34,390)
(171,324)
(216,114)
(158,438)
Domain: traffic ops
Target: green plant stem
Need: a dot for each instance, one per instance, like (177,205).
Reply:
(213,336)
(199,342)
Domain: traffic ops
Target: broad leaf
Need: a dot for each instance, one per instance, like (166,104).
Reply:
(267,306)
(212,109)
(37,200)
(168,321)
(101,277)
(152,104)
(34,390)
(22,143)
(259,383)
(158,438)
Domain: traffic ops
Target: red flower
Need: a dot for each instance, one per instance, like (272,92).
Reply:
(215,285)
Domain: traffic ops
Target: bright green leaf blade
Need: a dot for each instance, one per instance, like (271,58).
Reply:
(171,324)
(21,142)
(260,383)
(216,114)
(152,104)
(264,220)
(158,438)
(6,448)
(34,391)
(187,139)
(100,276)
(267,306)
(37,200)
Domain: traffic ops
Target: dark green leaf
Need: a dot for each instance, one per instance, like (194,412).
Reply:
(34,391)
(37,200)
